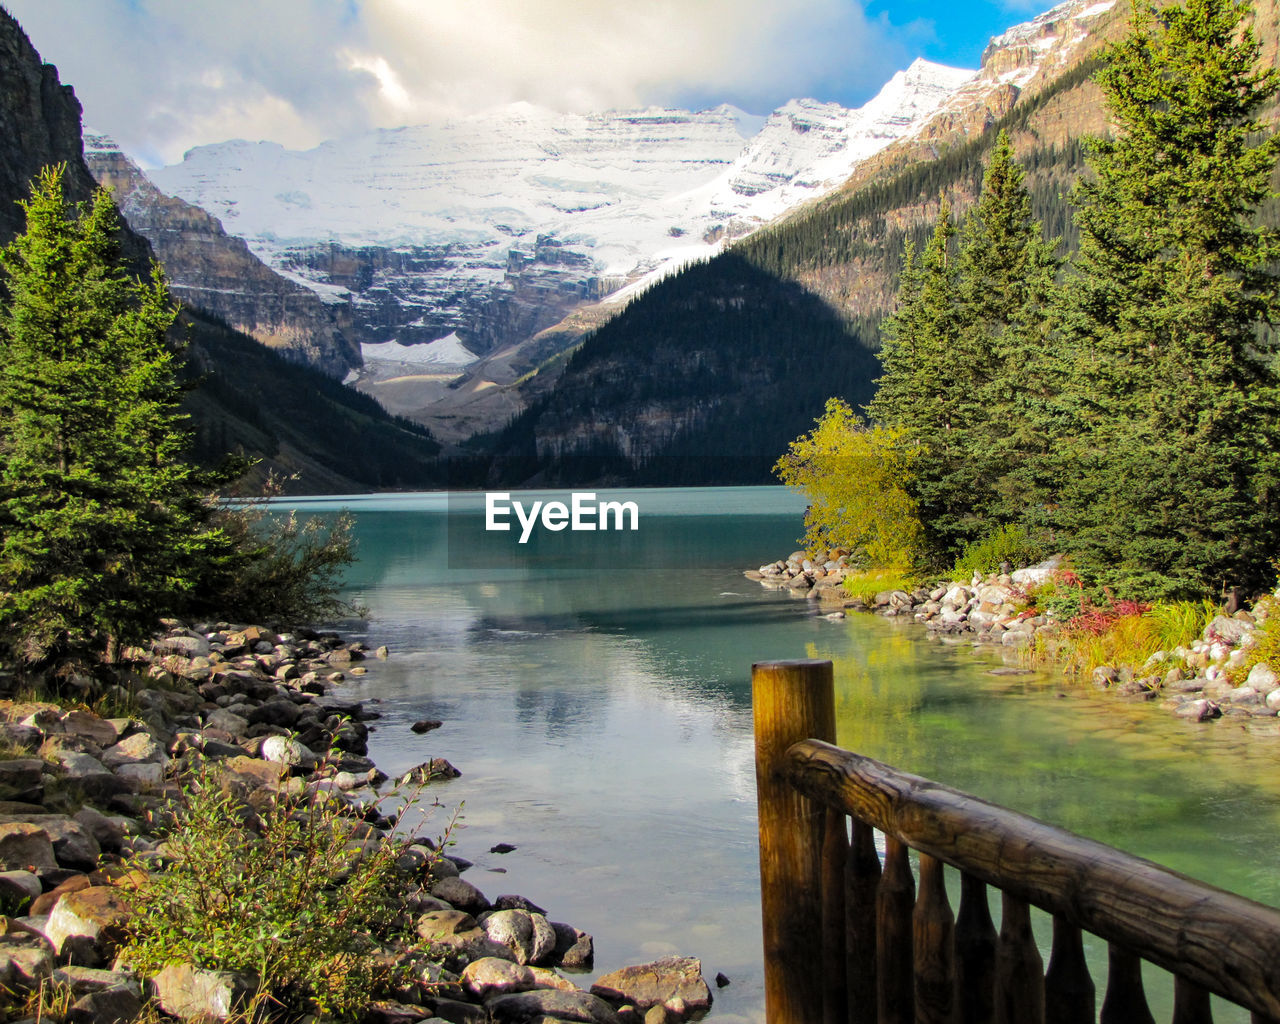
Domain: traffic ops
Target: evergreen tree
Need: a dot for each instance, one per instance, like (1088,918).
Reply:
(922,390)
(104,526)
(1175,403)
(1006,274)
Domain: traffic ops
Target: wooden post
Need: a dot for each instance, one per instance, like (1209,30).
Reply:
(862,879)
(792,701)
(1191,1003)
(895,959)
(1019,969)
(1070,996)
(835,856)
(934,944)
(1125,1002)
(975,953)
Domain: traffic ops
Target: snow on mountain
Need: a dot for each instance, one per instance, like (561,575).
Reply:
(492,227)
(447,351)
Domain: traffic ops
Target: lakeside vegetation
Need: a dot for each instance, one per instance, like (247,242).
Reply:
(1123,408)
(107,523)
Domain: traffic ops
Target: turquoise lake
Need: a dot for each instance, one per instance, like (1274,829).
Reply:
(600,714)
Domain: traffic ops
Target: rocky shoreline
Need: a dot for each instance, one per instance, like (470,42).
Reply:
(262,712)
(1192,682)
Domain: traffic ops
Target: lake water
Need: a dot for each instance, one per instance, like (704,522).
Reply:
(600,714)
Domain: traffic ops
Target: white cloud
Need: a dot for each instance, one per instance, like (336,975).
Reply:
(163,75)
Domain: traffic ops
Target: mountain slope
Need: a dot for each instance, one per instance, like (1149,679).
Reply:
(215,271)
(293,418)
(841,253)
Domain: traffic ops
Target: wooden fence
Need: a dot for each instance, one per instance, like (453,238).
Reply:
(846,940)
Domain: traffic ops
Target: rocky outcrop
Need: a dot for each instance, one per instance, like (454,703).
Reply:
(257,711)
(215,271)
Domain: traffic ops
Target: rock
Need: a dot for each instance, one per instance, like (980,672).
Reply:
(440,924)
(140,748)
(119,1004)
(45,902)
(1034,575)
(280,712)
(73,845)
(142,778)
(287,751)
(673,982)
(25,847)
(90,727)
(183,645)
(722,979)
(228,722)
(528,1007)
(575,949)
(193,994)
(22,779)
(491,975)
(1262,678)
(530,937)
(510,902)
(428,771)
(88,924)
(24,966)
(1273,699)
(1198,710)
(1104,676)
(18,889)
(426,725)
(82,980)
(461,894)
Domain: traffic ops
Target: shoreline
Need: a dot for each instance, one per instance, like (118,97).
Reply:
(1191,682)
(264,712)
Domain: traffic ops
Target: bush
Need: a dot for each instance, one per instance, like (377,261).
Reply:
(865,585)
(288,894)
(279,569)
(1009,543)
(854,477)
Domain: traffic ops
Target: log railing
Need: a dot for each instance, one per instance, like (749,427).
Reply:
(849,941)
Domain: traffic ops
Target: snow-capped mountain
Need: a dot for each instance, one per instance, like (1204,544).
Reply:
(495,226)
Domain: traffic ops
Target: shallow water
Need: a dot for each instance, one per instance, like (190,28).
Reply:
(601,718)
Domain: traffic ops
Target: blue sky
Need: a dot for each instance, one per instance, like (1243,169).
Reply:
(164,75)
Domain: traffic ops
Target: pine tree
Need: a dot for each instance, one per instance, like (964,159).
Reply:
(1175,403)
(1006,274)
(921,392)
(104,525)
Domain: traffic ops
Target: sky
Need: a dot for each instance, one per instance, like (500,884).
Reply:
(161,76)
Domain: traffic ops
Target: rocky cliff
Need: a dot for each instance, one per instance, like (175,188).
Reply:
(293,418)
(212,270)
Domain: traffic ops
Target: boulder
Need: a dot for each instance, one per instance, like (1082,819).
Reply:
(25,847)
(458,892)
(18,889)
(530,937)
(575,950)
(118,1004)
(140,748)
(1262,678)
(493,976)
(89,924)
(24,965)
(22,779)
(193,994)
(90,727)
(528,1007)
(672,982)
(287,751)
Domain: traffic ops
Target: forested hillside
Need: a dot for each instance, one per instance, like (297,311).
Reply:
(838,263)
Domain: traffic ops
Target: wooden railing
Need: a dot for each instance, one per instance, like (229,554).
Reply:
(847,942)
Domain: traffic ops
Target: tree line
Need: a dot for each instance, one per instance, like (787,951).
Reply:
(1124,405)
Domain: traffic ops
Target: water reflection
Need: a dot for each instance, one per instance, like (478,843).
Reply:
(602,722)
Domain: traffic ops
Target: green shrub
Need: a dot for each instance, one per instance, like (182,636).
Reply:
(285,893)
(1009,543)
(865,585)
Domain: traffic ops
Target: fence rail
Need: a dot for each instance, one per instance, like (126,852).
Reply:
(848,939)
